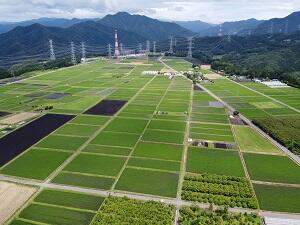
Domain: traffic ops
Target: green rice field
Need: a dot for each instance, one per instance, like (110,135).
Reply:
(168,140)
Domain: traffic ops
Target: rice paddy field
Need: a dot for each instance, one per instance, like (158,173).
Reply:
(139,135)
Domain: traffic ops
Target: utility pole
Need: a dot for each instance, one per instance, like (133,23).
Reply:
(175,42)
(52,54)
(83,53)
(154,47)
(171,46)
(190,51)
(109,51)
(73,56)
(148,47)
(140,48)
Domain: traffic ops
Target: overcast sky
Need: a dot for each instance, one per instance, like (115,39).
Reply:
(213,11)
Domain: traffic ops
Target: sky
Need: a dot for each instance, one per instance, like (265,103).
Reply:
(213,11)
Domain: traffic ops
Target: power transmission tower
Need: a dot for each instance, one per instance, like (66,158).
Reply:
(73,56)
(286,29)
(229,38)
(220,30)
(109,51)
(140,48)
(52,54)
(272,28)
(83,53)
(154,47)
(190,51)
(171,46)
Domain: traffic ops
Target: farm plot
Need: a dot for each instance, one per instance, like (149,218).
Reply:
(272,168)
(116,211)
(18,141)
(158,151)
(116,139)
(83,180)
(214,161)
(251,141)
(220,190)
(148,182)
(66,208)
(107,150)
(163,136)
(69,199)
(106,107)
(12,196)
(35,164)
(96,165)
(60,142)
(278,198)
(135,126)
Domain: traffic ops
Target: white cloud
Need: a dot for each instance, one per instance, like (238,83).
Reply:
(207,10)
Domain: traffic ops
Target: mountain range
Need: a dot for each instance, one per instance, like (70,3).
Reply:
(32,37)
(132,29)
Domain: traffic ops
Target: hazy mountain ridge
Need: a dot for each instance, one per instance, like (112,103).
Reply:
(287,25)
(195,26)
(151,29)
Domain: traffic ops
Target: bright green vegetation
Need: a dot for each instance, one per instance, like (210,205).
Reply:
(118,211)
(148,182)
(116,139)
(62,142)
(77,130)
(210,118)
(223,162)
(272,168)
(154,164)
(69,199)
(284,130)
(127,125)
(39,164)
(167,125)
(107,150)
(163,136)
(220,190)
(250,141)
(158,151)
(56,215)
(278,198)
(197,216)
(84,181)
(96,165)
(90,120)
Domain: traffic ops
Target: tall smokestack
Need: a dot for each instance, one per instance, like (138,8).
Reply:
(117,51)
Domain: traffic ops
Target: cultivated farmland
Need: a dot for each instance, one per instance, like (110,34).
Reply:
(114,130)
